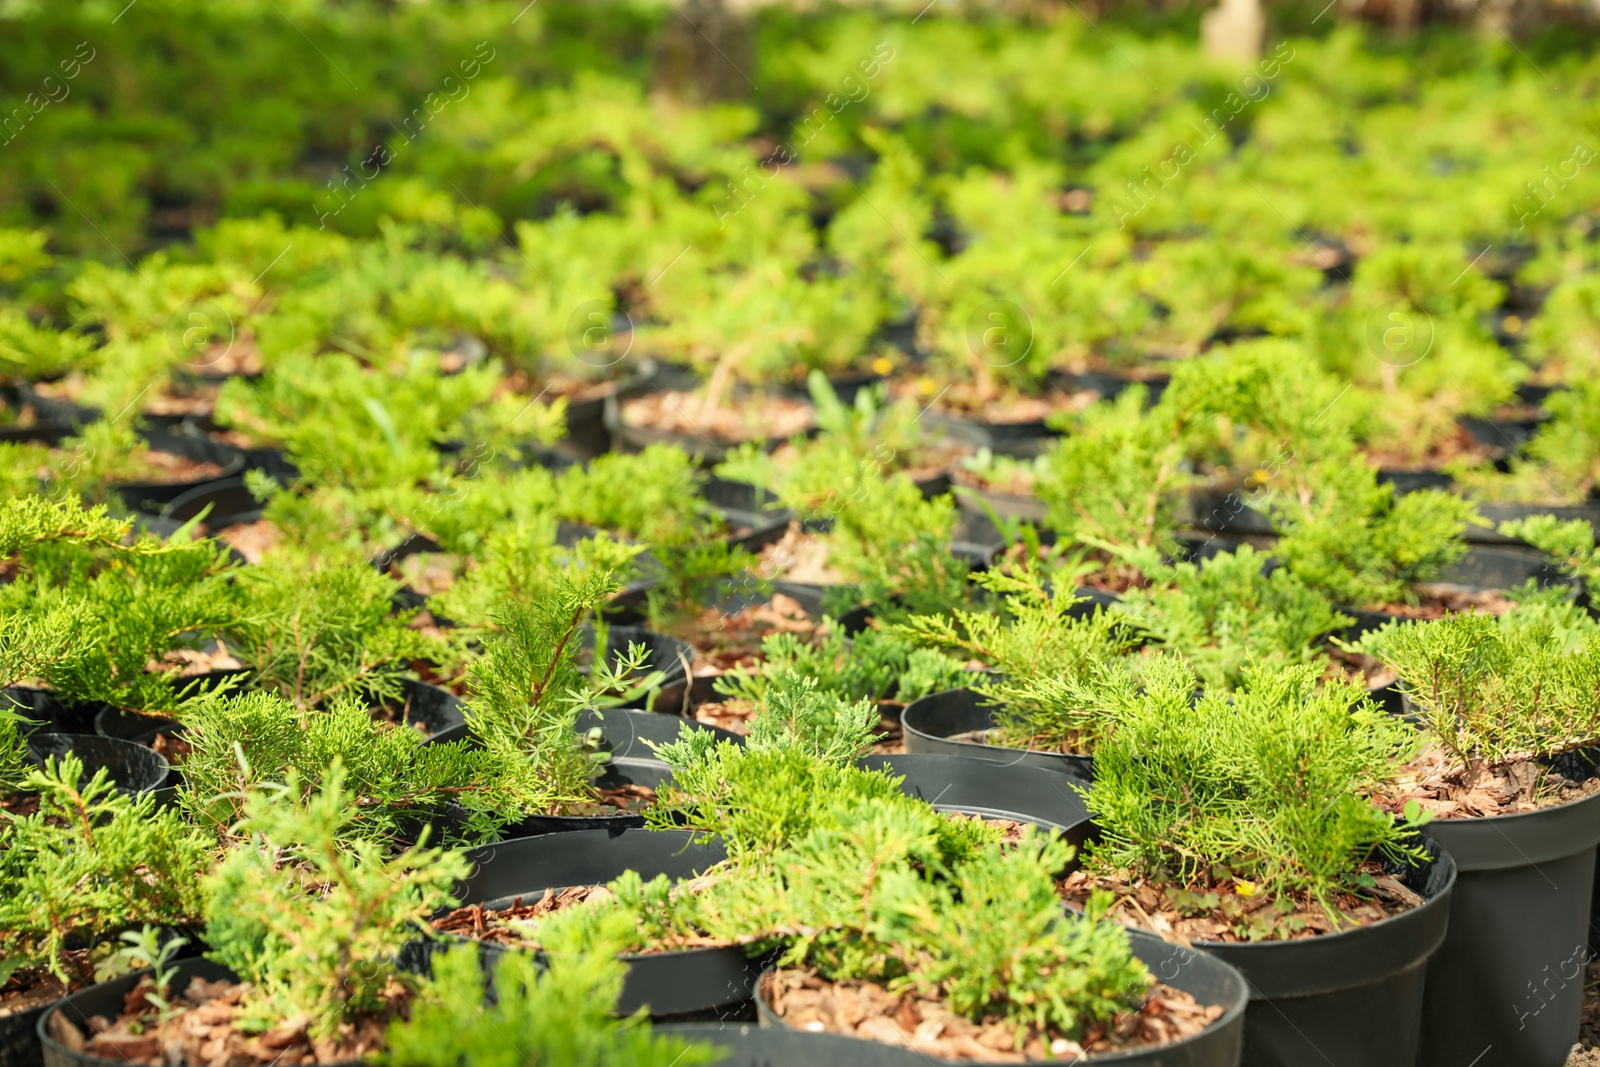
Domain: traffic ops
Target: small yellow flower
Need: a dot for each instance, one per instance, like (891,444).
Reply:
(1245,889)
(926,386)
(882,366)
(1512,323)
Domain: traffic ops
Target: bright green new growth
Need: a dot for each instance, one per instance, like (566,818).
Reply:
(562,1014)
(90,861)
(13,750)
(312,630)
(1268,784)
(97,620)
(1497,691)
(802,824)
(872,664)
(1571,542)
(1115,483)
(1038,648)
(1226,613)
(1356,541)
(527,690)
(312,918)
(238,744)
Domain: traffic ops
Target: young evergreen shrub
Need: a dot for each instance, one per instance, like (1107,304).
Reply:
(98,619)
(1571,542)
(872,664)
(527,689)
(238,744)
(1227,613)
(312,630)
(312,917)
(1266,786)
(1355,540)
(1493,691)
(89,862)
(1038,647)
(560,1014)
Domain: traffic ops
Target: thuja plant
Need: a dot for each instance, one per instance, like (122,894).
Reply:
(1496,692)
(90,861)
(312,918)
(238,744)
(1038,644)
(1262,791)
(527,689)
(1229,612)
(100,616)
(560,1013)
(314,629)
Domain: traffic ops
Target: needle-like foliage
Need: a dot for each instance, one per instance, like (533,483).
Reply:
(1268,784)
(91,860)
(312,918)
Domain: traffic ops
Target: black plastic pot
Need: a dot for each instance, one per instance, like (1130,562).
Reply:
(931,723)
(1213,511)
(230,502)
(1349,999)
(19,1037)
(46,709)
(151,497)
(586,424)
(1208,980)
(749,1045)
(426,708)
(132,767)
(1413,481)
(1498,512)
(1109,385)
(668,655)
(1506,989)
(745,508)
(1503,568)
(619,772)
(983,506)
(666,983)
(971,787)
(1501,435)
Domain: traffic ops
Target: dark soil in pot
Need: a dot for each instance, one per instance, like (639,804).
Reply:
(1349,998)
(1507,986)
(957,722)
(969,787)
(679,982)
(1208,995)
(132,767)
(63,1030)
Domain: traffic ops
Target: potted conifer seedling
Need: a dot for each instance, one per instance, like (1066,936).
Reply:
(1240,824)
(1511,711)
(302,923)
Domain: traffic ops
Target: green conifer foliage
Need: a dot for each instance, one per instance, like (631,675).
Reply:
(312,917)
(89,861)
(1268,784)
(1497,691)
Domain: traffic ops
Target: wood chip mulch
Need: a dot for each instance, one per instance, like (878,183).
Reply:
(735,419)
(867,1010)
(509,925)
(1442,786)
(1236,911)
(201,1032)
